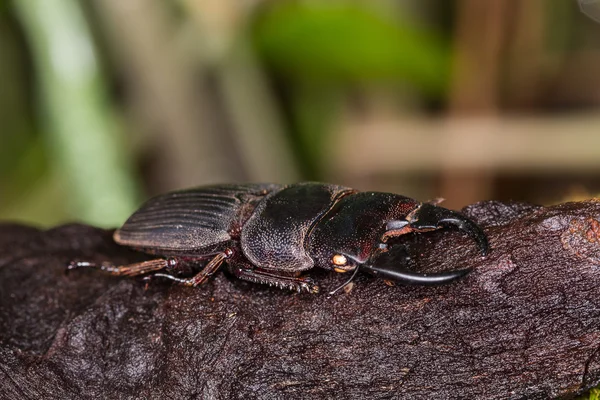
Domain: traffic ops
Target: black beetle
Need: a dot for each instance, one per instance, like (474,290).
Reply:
(269,233)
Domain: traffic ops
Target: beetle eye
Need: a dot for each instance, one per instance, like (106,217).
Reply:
(339,260)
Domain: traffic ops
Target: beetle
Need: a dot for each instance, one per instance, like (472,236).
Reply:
(271,233)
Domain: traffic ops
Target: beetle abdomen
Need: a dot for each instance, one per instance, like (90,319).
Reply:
(273,237)
(189,219)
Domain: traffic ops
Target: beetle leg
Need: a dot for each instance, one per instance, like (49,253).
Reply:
(251,274)
(428,217)
(124,270)
(206,272)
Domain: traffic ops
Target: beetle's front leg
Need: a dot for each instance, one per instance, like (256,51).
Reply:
(252,274)
(428,217)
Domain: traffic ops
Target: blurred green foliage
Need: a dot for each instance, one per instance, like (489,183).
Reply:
(64,149)
(322,49)
(76,154)
(337,42)
(85,143)
(594,394)
(23,159)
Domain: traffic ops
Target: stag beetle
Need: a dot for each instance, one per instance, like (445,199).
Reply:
(270,233)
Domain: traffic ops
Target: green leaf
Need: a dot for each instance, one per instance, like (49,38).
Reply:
(343,42)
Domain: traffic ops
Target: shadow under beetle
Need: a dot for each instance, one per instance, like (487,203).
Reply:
(269,233)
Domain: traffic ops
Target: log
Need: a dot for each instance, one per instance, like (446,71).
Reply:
(524,324)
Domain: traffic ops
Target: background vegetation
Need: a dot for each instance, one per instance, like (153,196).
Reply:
(106,102)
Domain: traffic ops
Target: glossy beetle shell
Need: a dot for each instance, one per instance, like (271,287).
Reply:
(268,233)
(267,240)
(190,220)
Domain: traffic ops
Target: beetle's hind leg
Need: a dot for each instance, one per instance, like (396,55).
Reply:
(201,277)
(255,275)
(134,269)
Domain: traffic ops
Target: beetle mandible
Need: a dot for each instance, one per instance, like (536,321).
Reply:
(270,233)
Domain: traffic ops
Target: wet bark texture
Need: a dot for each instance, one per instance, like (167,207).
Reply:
(524,324)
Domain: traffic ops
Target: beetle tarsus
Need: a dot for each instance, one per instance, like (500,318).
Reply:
(430,217)
(79,264)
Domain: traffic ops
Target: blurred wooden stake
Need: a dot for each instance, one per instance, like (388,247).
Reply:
(480,35)
(255,121)
(80,125)
(528,64)
(172,92)
(510,144)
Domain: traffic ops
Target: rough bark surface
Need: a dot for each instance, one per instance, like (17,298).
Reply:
(524,324)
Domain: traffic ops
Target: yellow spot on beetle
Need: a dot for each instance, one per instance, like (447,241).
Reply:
(339,259)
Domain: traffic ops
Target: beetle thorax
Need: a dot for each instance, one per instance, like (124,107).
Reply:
(274,236)
(354,228)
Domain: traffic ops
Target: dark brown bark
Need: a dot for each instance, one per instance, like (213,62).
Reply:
(524,324)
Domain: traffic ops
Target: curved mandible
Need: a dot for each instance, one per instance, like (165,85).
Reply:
(428,217)
(414,278)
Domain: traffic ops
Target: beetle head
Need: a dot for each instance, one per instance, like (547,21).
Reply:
(354,233)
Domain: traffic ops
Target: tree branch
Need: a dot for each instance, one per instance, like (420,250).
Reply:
(524,323)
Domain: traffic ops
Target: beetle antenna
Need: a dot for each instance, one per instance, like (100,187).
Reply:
(345,283)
